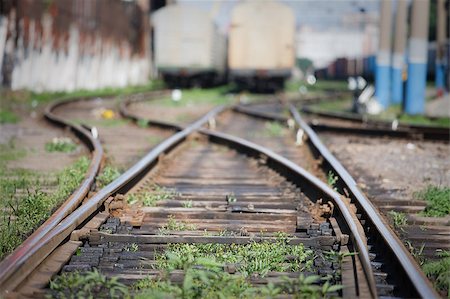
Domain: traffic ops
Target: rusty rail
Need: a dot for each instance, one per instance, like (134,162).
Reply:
(11,264)
(295,171)
(411,269)
(411,272)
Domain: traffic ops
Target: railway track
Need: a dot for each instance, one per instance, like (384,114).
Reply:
(201,186)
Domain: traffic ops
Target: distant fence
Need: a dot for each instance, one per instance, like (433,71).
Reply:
(64,45)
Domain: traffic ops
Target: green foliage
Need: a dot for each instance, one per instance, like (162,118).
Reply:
(259,258)
(399,219)
(109,173)
(149,199)
(439,272)
(307,287)
(438,200)
(274,129)
(424,120)
(90,284)
(231,197)
(24,205)
(187,204)
(142,123)
(320,86)
(9,152)
(174,225)
(332,180)
(203,278)
(416,253)
(133,247)
(8,117)
(196,96)
(62,144)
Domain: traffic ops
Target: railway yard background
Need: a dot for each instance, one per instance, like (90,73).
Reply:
(214,179)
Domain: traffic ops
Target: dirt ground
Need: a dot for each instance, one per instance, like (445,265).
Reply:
(30,135)
(402,167)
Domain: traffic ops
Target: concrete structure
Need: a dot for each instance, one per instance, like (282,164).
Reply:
(417,58)
(398,59)
(441,35)
(315,45)
(383,69)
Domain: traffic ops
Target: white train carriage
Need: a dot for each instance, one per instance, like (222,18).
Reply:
(189,48)
(261,44)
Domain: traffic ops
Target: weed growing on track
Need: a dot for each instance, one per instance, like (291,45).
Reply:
(24,205)
(250,258)
(274,129)
(8,117)
(439,272)
(109,173)
(204,277)
(187,204)
(438,200)
(399,219)
(149,199)
(175,225)
(91,284)
(62,144)
(332,180)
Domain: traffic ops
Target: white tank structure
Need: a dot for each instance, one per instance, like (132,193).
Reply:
(261,44)
(189,48)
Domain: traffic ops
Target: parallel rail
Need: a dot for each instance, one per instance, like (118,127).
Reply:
(407,270)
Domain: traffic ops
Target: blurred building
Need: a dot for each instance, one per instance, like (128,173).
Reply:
(64,45)
(323,47)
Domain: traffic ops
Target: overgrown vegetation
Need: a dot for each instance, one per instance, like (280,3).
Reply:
(175,225)
(150,198)
(91,284)
(24,204)
(320,86)
(61,144)
(398,219)
(196,96)
(259,258)
(204,276)
(439,272)
(332,179)
(108,174)
(8,117)
(438,200)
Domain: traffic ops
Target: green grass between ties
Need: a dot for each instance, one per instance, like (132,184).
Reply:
(438,200)
(24,204)
(439,272)
(8,117)
(108,174)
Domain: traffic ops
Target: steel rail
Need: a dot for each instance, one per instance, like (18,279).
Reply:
(19,266)
(278,160)
(412,270)
(379,127)
(10,264)
(292,167)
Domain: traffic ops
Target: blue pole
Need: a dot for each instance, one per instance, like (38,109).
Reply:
(397,85)
(417,58)
(382,82)
(440,75)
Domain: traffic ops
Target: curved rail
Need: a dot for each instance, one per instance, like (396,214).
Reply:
(412,270)
(24,264)
(10,265)
(378,127)
(295,171)
(278,161)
